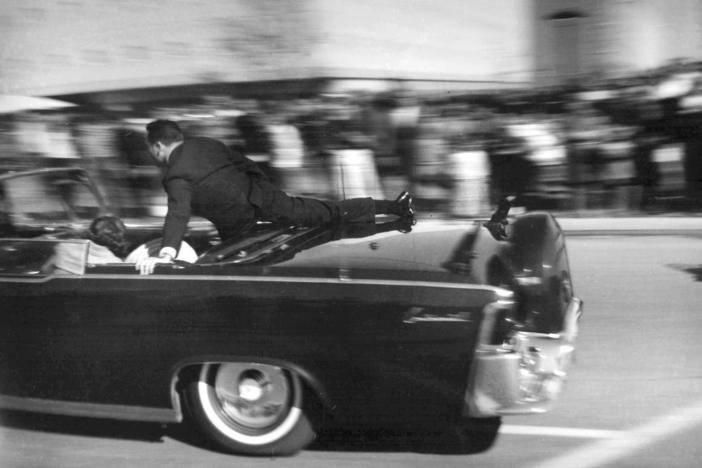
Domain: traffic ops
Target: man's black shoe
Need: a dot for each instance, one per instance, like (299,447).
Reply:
(406,223)
(497,225)
(405,202)
(403,224)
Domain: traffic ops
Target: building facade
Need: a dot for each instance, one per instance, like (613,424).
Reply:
(577,39)
(56,47)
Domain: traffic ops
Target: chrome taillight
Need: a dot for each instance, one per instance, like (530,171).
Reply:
(516,371)
(498,324)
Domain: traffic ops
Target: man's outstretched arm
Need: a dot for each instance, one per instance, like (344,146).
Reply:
(174,226)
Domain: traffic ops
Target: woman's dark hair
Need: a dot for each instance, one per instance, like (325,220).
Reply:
(165,131)
(109,231)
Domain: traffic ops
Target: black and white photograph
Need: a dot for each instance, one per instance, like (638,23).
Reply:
(354,234)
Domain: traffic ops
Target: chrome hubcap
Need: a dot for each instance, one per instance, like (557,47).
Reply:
(253,396)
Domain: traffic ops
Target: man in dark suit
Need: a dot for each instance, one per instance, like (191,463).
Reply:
(204,177)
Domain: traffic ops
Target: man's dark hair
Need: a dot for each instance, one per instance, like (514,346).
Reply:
(109,231)
(165,131)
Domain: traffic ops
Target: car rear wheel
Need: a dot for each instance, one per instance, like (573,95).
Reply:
(250,408)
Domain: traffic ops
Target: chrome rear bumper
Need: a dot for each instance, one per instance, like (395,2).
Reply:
(526,375)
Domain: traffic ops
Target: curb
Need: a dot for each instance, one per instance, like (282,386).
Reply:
(631,225)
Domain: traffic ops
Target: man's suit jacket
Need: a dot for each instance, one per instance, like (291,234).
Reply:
(205,178)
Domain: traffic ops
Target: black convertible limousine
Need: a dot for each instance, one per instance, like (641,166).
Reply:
(272,336)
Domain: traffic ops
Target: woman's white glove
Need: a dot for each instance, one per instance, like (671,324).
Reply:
(146,265)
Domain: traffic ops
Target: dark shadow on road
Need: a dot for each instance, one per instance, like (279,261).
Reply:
(189,435)
(450,441)
(694,270)
(88,427)
(445,441)
(102,428)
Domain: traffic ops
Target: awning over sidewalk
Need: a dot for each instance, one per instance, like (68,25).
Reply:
(10,103)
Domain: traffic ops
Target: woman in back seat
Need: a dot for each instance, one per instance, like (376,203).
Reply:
(107,244)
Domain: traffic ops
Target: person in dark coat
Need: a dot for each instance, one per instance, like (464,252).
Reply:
(203,177)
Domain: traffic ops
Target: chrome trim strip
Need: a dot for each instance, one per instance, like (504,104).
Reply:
(39,279)
(91,410)
(503,293)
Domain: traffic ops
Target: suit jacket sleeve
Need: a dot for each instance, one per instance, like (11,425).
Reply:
(178,216)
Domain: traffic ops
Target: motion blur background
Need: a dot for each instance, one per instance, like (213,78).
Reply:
(579,106)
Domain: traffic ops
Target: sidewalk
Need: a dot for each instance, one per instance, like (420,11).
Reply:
(669,224)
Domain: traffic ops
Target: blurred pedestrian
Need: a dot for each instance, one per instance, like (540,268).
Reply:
(511,171)
(647,173)
(202,176)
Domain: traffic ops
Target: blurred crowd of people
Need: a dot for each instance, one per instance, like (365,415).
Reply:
(630,145)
